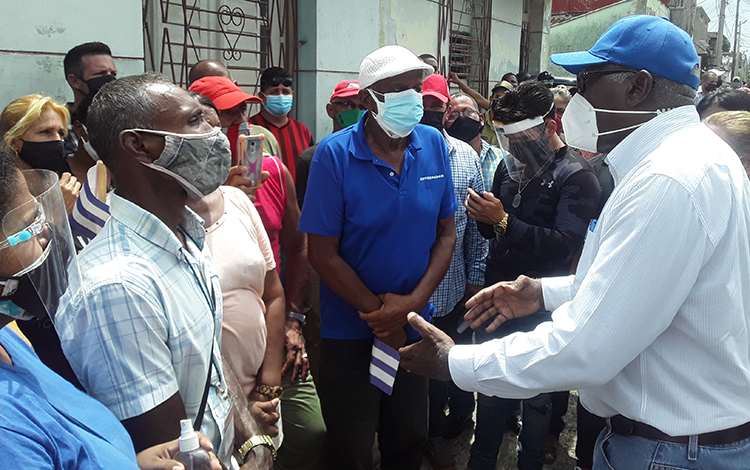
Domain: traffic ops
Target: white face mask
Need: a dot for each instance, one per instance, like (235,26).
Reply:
(581,129)
(87,146)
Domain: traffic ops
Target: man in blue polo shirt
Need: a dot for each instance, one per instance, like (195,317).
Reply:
(379,214)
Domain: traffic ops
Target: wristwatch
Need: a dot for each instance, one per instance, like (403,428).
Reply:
(501,227)
(273,392)
(255,441)
(300,317)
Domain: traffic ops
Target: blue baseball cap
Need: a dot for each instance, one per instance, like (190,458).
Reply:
(641,42)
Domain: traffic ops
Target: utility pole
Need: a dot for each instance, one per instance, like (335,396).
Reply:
(736,36)
(737,41)
(720,35)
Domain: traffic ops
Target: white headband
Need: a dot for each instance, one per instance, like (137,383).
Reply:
(526,124)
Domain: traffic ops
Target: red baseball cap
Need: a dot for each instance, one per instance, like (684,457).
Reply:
(222,92)
(345,89)
(435,85)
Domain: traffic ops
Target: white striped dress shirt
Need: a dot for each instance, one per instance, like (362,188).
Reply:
(655,323)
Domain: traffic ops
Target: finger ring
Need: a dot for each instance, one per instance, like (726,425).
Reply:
(304,356)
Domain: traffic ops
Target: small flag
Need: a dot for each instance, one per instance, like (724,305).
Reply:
(91,211)
(383,366)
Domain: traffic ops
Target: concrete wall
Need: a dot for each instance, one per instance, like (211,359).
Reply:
(580,33)
(332,46)
(34,37)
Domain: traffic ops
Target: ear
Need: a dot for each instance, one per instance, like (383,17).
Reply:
(639,87)
(79,131)
(550,127)
(331,112)
(15,144)
(143,147)
(262,96)
(367,101)
(75,82)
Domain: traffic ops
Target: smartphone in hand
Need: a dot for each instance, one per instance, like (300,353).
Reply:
(250,154)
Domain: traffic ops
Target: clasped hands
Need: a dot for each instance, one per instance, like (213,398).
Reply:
(500,302)
(388,321)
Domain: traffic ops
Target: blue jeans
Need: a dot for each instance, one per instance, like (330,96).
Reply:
(492,411)
(615,452)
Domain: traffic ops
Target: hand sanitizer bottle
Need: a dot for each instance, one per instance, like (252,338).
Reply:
(191,455)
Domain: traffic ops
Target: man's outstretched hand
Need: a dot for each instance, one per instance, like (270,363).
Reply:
(504,301)
(429,356)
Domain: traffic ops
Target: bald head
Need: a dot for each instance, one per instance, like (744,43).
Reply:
(208,68)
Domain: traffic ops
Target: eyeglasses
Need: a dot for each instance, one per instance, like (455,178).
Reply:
(276,81)
(583,77)
(469,113)
(33,229)
(347,105)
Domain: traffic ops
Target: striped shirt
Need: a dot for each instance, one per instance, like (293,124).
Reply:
(653,325)
(469,257)
(489,159)
(141,327)
(293,137)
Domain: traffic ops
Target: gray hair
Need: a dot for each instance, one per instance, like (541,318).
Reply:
(666,93)
(460,94)
(708,75)
(562,91)
(121,105)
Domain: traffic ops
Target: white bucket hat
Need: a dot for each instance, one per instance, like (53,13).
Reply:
(389,61)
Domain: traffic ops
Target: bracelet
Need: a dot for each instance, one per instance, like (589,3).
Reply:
(273,392)
(255,441)
(300,317)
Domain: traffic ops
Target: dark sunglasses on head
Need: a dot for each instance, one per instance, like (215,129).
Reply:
(276,81)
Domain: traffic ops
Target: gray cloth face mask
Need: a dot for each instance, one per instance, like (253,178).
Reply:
(198,162)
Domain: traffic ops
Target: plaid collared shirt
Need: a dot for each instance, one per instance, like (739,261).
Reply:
(470,256)
(146,318)
(490,158)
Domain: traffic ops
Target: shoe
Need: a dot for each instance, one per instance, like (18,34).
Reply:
(455,425)
(438,455)
(550,450)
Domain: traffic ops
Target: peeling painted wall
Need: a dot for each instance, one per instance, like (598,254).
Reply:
(33,42)
(333,45)
(580,33)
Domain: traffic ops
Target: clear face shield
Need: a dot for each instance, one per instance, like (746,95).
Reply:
(527,147)
(37,246)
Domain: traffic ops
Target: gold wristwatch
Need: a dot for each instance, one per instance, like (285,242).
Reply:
(273,392)
(255,441)
(501,227)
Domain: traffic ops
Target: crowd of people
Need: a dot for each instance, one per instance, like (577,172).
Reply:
(169,256)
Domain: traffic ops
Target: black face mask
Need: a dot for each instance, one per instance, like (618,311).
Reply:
(710,87)
(464,128)
(45,155)
(96,83)
(433,118)
(38,292)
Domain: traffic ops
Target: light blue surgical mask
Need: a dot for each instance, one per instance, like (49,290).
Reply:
(400,113)
(279,105)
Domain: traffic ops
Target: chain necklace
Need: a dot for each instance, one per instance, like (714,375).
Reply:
(517,197)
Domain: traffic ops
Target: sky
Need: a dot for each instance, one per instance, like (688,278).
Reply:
(712,8)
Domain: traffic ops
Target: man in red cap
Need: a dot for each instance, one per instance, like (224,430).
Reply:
(232,104)
(465,276)
(344,109)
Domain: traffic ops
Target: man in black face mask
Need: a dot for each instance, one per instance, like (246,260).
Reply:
(709,83)
(463,280)
(88,67)
(464,122)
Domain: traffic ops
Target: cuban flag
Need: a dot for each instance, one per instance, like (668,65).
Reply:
(91,211)
(383,366)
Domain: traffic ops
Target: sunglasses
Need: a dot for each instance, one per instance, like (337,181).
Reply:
(583,77)
(276,81)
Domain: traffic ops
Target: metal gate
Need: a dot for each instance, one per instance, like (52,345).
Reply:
(467,24)
(246,35)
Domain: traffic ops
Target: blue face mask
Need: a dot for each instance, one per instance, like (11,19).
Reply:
(400,113)
(279,105)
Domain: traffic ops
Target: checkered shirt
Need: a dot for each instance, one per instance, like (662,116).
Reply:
(470,256)
(490,158)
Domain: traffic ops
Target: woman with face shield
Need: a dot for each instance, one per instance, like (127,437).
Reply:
(45,422)
(34,127)
(544,196)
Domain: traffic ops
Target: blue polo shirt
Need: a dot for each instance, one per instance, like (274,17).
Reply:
(386,223)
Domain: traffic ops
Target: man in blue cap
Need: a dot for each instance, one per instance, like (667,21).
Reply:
(652,329)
